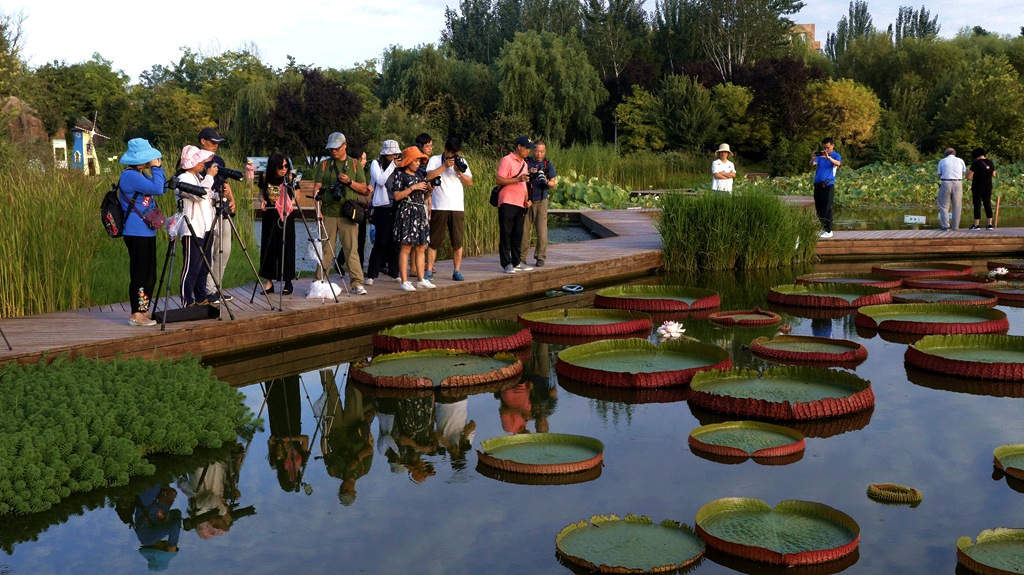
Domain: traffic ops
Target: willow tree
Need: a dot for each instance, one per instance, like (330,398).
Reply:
(548,80)
(736,33)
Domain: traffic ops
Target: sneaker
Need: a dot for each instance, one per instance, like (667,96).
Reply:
(523,267)
(359,290)
(214,301)
(227,297)
(825,235)
(540,263)
(457,276)
(425,284)
(368,281)
(509,269)
(407,286)
(975,227)
(429,275)
(989,227)
(397,280)
(142,322)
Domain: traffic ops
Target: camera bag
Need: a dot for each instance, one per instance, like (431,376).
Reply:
(495,189)
(111,214)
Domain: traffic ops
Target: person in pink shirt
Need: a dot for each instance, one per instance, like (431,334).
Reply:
(513,201)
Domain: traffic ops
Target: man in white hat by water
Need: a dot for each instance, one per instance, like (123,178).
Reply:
(723,172)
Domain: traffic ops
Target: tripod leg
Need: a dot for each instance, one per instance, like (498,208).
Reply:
(259,280)
(319,256)
(2,334)
(168,262)
(202,253)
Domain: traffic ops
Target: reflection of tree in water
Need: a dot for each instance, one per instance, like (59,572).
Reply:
(613,411)
(347,441)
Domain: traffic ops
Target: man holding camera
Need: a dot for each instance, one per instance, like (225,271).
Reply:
(448,208)
(826,162)
(210,140)
(341,179)
(543,177)
(513,202)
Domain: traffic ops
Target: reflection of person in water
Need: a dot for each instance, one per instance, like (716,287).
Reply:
(821,327)
(208,490)
(515,409)
(287,447)
(411,434)
(347,442)
(157,525)
(454,434)
(543,393)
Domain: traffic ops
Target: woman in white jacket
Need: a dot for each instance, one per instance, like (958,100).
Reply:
(200,213)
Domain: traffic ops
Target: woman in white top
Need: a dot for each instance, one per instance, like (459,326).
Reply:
(723,171)
(200,213)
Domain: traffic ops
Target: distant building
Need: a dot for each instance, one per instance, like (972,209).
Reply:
(805,32)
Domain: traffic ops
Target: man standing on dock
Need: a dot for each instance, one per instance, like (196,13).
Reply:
(951,190)
(543,177)
(826,162)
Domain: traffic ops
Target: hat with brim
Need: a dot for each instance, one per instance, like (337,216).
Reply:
(524,141)
(192,156)
(724,148)
(410,155)
(335,140)
(139,152)
(390,148)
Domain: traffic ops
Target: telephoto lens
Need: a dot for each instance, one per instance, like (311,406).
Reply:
(175,183)
(229,174)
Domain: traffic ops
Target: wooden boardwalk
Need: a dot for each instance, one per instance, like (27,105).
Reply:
(854,245)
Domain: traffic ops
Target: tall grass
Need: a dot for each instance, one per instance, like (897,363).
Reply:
(636,171)
(721,232)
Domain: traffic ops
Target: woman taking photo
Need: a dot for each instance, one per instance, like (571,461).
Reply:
(277,246)
(200,213)
(384,254)
(137,191)
(412,228)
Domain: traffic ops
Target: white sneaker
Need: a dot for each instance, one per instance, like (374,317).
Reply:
(397,280)
(825,235)
(425,284)
(359,290)
(407,286)
(368,281)
(523,268)
(509,269)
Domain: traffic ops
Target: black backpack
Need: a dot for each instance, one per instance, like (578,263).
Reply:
(111,214)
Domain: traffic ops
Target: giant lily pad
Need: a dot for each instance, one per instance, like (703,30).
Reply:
(828,295)
(808,349)
(586,322)
(537,479)
(476,336)
(747,439)
(947,283)
(921,270)
(656,298)
(947,297)
(793,533)
(872,280)
(435,368)
(608,544)
(628,395)
(541,453)
(1005,291)
(998,551)
(937,381)
(976,356)
(639,363)
(925,318)
(1010,460)
(781,393)
(820,428)
(756,317)
(812,312)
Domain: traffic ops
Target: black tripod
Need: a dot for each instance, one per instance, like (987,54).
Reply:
(224,213)
(290,186)
(9,348)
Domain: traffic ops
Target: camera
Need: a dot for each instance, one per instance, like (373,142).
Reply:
(435,182)
(229,174)
(819,153)
(175,183)
(539,179)
(460,163)
(337,190)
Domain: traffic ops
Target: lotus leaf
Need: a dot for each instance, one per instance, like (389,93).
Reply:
(634,544)
(586,322)
(999,550)
(544,453)
(436,368)
(638,362)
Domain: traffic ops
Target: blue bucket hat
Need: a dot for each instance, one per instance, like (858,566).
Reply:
(139,152)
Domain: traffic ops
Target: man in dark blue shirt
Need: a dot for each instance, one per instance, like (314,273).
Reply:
(543,177)
(826,162)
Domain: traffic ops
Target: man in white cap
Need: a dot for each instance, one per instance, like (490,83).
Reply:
(723,172)
(341,179)
(210,141)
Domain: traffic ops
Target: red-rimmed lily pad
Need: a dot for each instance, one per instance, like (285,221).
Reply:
(756,317)
(435,368)
(627,395)
(535,479)
(634,544)
(820,428)
(1014,268)
(747,439)
(921,269)
(828,295)
(656,298)
(586,322)
(812,312)
(894,493)
(475,336)
(541,453)
(947,283)
(941,296)
(926,318)
(998,551)
(783,393)
(940,382)
(794,532)
(1005,291)
(808,349)
(872,280)
(1010,460)
(981,356)
(639,363)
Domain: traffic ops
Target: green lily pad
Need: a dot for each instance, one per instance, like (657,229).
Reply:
(586,322)
(921,270)
(747,438)
(872,280)
(542,453)
(828,295)
(948,297)
(975,356)
(947,283)
(435,368)
(656,298)
(998,551)
(639,363)
(926,318)
(808,349)
(1005,291)
(746,318)
(1010,459)
(635,544)
(476,336)
(793,533)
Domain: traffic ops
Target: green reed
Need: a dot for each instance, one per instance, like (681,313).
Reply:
(743,231)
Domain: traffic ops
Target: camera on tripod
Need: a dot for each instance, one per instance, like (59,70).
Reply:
(175,183)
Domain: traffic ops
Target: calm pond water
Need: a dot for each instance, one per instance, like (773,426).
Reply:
(348,505)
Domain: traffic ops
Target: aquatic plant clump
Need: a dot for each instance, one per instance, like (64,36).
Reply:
(438,368)
(586,322)
(829,295)
(638,363)
(474,336)
(794,532)
(925,318)
(998,551)
(976,356)
(657,299)
(542,453)
(893,493)
(76,425)
(634,544)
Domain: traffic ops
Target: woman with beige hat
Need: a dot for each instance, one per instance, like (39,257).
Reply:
(723,171)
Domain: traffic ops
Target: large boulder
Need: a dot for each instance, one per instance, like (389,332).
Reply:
(23,122)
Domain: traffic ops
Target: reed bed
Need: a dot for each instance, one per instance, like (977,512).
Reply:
(743,231)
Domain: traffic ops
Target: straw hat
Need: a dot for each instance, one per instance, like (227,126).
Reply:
(724,148)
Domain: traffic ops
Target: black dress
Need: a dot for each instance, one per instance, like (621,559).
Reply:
(411,224)
(273,232)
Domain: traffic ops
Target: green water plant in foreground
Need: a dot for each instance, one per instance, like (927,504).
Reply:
(77,425)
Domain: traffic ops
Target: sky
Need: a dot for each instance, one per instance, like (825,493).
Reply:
(331,34)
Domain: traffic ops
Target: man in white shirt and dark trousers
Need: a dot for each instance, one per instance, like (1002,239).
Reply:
(447,205)
(723,172)
(951,190)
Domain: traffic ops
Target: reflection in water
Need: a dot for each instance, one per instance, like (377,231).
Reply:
(287,446)
(213,496)
(406,429)
(826,427)
(157,525)
(941,382)
(347,442)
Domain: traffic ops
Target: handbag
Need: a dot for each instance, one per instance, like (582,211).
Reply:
(494,196)
(154,218)
(354,211)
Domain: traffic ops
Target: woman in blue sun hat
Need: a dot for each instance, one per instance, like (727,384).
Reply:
(138,191)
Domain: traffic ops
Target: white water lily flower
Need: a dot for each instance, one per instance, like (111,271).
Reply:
(670,330)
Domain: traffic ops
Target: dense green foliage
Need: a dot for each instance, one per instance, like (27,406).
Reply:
(743,231)
(74,426)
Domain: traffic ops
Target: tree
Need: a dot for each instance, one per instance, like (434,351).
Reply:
(613,31)
(733,102)
(674,32)
(850,28)
(172,116)
(986,109)
(639,115)
(689,117)
(779,86)
(912,23)
(844,110)
(65,92)
(561,17)
(735,33)
(548,80)
(470,33)
(12,67)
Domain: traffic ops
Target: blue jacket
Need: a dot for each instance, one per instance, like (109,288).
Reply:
(132,182)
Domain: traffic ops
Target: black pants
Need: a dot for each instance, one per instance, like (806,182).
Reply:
(276,236)
(980,196)
(194,269)
(823,194)
(141,271)
(384,254)
(510,226)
